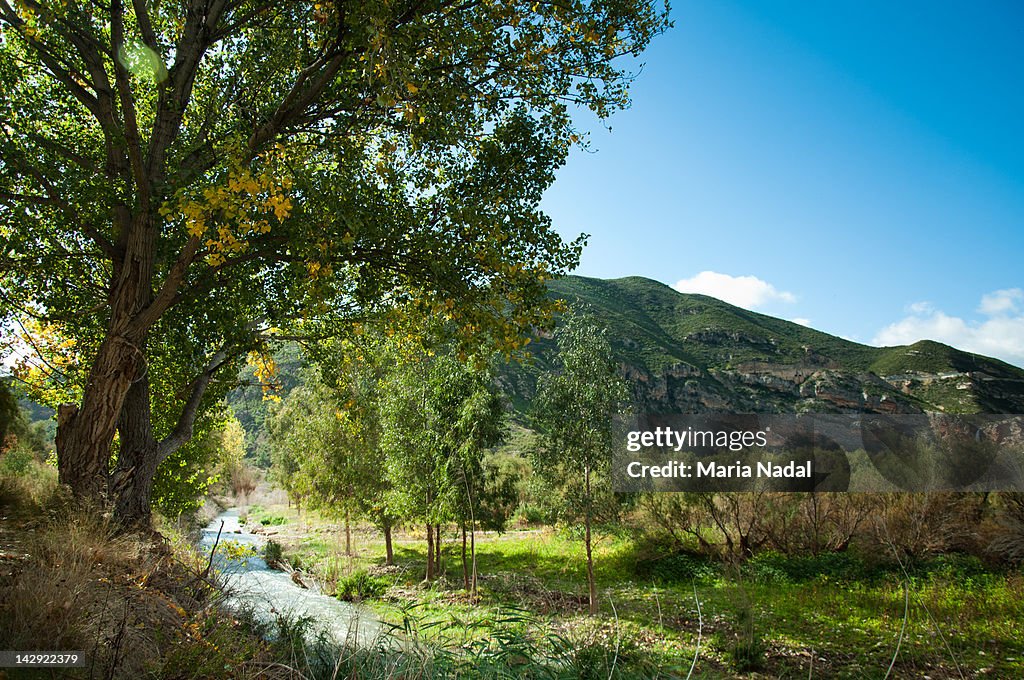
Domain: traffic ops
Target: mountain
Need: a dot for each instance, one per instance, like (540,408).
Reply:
(690,353)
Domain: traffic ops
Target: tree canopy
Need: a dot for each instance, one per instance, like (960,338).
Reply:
(182,180)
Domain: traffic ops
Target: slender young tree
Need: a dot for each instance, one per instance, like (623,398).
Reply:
(477,425)
(574,408)
(326,446)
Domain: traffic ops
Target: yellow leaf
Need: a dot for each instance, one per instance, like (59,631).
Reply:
(412,88)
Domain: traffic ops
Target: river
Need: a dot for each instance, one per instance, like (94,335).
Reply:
(251,583)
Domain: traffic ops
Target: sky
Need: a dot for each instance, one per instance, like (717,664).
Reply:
(854,166)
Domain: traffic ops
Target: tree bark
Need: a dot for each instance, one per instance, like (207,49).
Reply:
(137,460)
(465,562)
(85,436)
(85,433)
(389,553)
(472,552)
(437,549)
(430,552)
(591,586)
(348,534)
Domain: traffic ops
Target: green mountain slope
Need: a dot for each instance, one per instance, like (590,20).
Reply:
(693,353)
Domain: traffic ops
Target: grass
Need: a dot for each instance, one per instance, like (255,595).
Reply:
(773,616)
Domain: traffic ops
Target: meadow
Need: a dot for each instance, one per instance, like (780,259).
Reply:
(840,615)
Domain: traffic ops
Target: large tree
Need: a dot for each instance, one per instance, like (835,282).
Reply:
(179,179)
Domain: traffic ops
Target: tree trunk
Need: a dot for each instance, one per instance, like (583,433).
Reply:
(465,563)
(472,552)
(430,552)
(591,586)
(348,534)
(137,460)
(389,553)
(85,433)
(437,549)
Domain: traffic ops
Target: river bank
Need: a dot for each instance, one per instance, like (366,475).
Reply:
(136,606)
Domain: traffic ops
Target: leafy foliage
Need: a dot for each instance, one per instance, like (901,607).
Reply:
(575,410)
(180,187)
(215,455)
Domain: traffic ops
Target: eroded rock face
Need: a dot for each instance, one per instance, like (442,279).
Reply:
(765,388)
(813,385)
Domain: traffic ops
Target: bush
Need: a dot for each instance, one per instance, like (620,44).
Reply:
(16,462)
(273,553)
(531,514)
(273,521)
(774,567)
(677,567)
(360,585)
(1007,542)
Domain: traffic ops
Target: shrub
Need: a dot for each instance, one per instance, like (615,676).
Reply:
(273,553)
(16,462)
(677,567)
(531,514)
(774,567)
(360,585)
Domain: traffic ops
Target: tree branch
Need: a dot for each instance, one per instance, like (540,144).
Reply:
(201,17)
(182,431)
(168,291)
(127,99)
(145,26)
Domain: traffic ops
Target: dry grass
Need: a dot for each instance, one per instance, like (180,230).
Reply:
(29,491)
(137,605)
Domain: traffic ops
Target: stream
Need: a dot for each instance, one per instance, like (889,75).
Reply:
(249,582)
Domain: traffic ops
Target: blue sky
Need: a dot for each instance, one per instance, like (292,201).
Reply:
(855,165)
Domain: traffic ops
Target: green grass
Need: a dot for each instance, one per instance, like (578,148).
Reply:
(775,614)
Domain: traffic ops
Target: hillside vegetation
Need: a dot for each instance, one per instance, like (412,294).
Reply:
(695,353)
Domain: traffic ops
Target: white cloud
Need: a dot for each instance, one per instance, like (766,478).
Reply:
(801,320)
(1000,334)
(743,291)
(921,308)
(1001,301)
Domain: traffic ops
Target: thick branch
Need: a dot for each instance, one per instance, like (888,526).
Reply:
(127,100)
(182,432)
(168,291)
(145,25)
(201,17)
